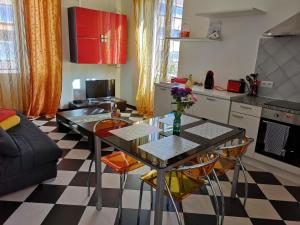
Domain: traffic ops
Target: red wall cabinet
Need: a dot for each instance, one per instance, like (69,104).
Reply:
(97,37)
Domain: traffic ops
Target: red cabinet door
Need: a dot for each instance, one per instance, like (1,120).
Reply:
(87,22)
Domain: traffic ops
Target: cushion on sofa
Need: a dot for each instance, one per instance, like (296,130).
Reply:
(10,122)
(7,145)
(5,113)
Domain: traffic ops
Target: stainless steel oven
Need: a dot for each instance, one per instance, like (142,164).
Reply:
(279,135)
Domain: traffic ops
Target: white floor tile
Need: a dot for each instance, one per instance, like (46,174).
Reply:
(131,199)
(241,177)
(141,170)
(47,129)
(229,220)
(225,186)
(78,154)
(286,182)
(66,144)
(136,118)
(110,180)
(276,192)
(56,136)
(169,218)
(125,114)
(198,204)
(18,196)
(63,177)
(75,196)
(39,122)
(92,216)
(29,213)
(260,208)
(292,222)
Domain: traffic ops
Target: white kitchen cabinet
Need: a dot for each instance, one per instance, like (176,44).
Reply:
(162,100)
(212,108)
(249,122)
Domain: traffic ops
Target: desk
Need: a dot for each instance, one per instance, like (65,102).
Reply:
(162,166)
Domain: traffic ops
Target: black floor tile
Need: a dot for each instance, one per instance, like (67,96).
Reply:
(110,198)
(50,123)
(64,214)
(196,219)
(129,216)
(81,178)
(65,152)
(82,145)
(287,210)
(264,177)
(136,115)
(233,207)
(133,182)
(223,177)
(46,193)
(43,118)
(70,164)
(6,209)
(295,191)
(266,222)
(72,137)
(253,191)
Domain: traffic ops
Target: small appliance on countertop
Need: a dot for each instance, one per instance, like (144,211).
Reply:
(209,80)
(237,86)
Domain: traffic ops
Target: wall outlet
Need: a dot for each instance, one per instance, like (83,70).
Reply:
(266,84)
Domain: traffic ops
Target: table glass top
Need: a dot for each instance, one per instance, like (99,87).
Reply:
(201,144)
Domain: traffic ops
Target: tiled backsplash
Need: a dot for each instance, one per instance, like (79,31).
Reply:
(278,60)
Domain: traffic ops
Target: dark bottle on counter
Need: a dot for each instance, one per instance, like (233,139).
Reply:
(209,80)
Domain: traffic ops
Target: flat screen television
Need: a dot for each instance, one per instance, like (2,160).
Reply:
(100,88)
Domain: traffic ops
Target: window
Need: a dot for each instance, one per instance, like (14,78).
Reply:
(175,45)
(7,37)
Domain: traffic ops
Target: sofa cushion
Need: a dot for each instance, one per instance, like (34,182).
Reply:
(10,122)
(33,143)
(7,145)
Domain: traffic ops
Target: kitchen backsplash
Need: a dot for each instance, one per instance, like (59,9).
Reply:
(278,60)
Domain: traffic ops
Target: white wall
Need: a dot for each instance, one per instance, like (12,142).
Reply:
(73,71)
(235,56)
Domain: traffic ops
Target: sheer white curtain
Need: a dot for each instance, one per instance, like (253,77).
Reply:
(14,69)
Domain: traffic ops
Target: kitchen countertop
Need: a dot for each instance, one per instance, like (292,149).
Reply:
(208,92)
(251,100)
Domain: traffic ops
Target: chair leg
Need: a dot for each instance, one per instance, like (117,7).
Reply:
(120,198)
(222,197)
(215,200)
(140,201)
(88,183)
(173,202)
(151,196)
(246,181)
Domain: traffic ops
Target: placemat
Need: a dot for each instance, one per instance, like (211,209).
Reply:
(209,130)
(184,119)
(135,131)
(90,118)
(169,147)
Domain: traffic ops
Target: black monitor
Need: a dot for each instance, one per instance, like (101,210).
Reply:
(100,88)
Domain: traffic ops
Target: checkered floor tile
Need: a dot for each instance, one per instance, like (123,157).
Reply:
(64,200)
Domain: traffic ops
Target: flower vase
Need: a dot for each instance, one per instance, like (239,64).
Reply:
(177,123)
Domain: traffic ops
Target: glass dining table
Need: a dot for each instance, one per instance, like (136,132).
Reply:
(205,134)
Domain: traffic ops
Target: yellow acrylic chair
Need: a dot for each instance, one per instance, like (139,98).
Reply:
(118,161)
(183,181)
(230,156)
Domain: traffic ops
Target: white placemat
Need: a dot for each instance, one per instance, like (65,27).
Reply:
(184,119)
(135,131)
(168,147)
(209,130)
(90,118)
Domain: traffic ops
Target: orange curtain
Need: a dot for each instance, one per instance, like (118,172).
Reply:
(43,32)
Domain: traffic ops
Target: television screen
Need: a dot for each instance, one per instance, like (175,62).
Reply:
(100,88)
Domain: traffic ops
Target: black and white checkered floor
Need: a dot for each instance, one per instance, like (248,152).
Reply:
(64,201)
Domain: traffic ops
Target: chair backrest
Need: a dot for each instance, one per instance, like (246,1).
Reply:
(102,127)
(202,166)
(236,150)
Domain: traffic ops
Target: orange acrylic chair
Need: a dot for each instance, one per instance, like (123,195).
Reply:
(230,156)
(183,181)
(118,161)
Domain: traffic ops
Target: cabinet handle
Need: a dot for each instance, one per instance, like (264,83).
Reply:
(245,107)
(237,116)
(211,99)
